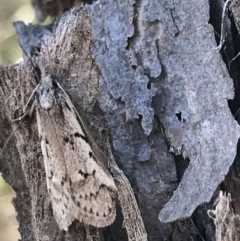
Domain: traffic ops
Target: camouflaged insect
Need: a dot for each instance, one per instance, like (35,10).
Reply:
(78,186)
(79,182)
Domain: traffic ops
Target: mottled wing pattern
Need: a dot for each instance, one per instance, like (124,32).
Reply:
(93,188)
(79,187)
(64,209)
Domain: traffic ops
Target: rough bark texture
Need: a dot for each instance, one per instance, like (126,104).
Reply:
(225,220)
(151,68)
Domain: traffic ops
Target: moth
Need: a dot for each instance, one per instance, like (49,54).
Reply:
(79,187)
(80,184)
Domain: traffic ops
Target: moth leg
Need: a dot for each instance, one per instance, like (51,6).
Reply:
(31,96)
(20,118)
(32,107)
(25,107)
(30,111)
(132,217)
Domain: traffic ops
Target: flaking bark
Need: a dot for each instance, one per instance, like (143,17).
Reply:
(152,70)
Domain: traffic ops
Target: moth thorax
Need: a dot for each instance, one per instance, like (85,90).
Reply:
(46,92)
(46,99)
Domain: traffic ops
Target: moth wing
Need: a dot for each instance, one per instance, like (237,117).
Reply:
(64,209)
(93,188)
(78,185)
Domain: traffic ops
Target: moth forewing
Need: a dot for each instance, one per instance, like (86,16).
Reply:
(83,146)
(64,210)
(78,186)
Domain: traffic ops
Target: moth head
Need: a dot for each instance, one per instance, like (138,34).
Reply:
(47,80)
(46,92)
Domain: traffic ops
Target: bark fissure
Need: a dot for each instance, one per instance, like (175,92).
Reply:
(138,61)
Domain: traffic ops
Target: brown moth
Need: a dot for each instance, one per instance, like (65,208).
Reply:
(83,183)
(78,185)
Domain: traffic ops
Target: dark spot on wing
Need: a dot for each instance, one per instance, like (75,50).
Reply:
(90,154)
(47,153)
(78,204)
(46,141)
(64,179)
(85,209)
(94,172)
(97,214)
(85,175)
(91,211)
(51,175)
(104,215)
(66,139)
(76,134)
(70,181)
(109,210)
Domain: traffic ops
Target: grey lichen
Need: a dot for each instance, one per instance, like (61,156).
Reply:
(125,80)
(194,110)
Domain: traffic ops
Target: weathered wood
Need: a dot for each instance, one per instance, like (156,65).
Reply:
(153,71)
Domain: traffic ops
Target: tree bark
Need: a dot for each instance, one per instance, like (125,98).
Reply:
(147,75)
